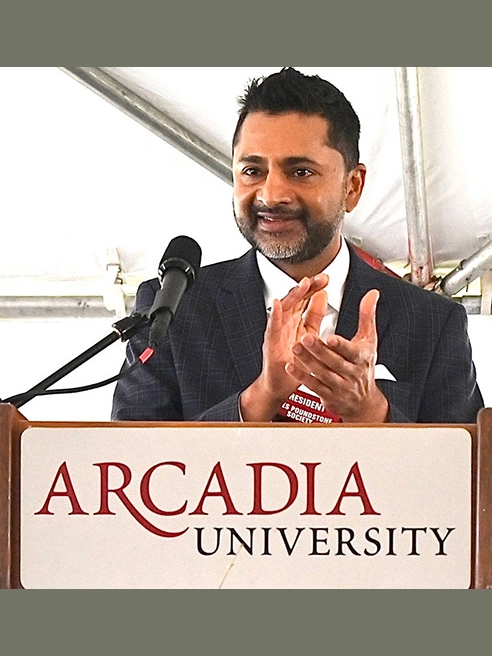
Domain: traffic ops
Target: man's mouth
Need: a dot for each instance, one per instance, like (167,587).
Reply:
(275,222)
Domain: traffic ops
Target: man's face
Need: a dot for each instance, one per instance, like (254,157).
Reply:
(291,189)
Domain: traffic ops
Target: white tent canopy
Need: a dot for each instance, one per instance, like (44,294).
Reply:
(90,198)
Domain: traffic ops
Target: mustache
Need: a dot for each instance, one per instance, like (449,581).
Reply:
(285,213)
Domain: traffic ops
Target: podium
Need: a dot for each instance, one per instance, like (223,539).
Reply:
(205,505)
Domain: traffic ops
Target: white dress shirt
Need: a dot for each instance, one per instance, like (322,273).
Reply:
(277,284)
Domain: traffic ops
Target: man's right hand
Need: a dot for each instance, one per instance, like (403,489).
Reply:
(300,312)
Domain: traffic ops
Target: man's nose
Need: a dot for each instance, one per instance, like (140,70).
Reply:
(274,190)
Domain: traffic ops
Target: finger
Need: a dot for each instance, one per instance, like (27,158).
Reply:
(303,291)
(316,311)
(274,324)
(339,355)
(320,360)
(325,388)
(296,297)
(355,352)
(367,316)
(319,281)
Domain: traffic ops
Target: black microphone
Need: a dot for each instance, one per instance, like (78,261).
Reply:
(178,270)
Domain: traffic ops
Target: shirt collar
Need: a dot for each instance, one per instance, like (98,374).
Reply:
(277,283)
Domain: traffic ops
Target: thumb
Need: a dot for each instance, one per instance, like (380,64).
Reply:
(367,317)
(315,311)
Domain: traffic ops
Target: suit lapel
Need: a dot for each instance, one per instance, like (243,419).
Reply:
(241,308)
(361,278)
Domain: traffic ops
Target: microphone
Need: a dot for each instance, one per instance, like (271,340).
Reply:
(178,270)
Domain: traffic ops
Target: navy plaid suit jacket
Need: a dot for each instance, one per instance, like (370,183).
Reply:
(213,349)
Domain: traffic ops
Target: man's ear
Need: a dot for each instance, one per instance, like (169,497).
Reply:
(355,184)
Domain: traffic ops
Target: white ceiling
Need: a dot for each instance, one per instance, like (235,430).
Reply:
(80,177)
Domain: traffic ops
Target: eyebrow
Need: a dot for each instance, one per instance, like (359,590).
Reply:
(288,161)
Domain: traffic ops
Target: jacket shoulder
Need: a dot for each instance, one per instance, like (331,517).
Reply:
(210,277)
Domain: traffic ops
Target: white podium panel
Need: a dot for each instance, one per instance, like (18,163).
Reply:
(245,507)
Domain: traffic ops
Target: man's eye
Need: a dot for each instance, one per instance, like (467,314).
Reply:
(302,173)
(250,171)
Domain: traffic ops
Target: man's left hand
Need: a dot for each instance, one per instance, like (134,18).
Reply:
(341,371)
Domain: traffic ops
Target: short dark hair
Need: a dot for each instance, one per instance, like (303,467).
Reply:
(292,91)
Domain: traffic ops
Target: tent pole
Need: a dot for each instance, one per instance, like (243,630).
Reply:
(420,255)
(154,119)
(467,271)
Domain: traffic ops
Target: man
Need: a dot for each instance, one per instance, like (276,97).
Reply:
(353,343)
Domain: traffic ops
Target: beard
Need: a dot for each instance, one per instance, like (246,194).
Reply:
(314,237)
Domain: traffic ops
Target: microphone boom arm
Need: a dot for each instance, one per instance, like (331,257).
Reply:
(122,329)
(177,271)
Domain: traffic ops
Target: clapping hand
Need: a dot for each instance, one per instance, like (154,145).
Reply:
(341,371)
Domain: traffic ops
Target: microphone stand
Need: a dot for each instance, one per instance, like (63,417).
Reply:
(122,329)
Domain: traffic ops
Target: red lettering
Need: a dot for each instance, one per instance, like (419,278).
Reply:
(222,492)
(69,492)
(258,484)
(127,476)
(145,490)
(310,467)
(360,492)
